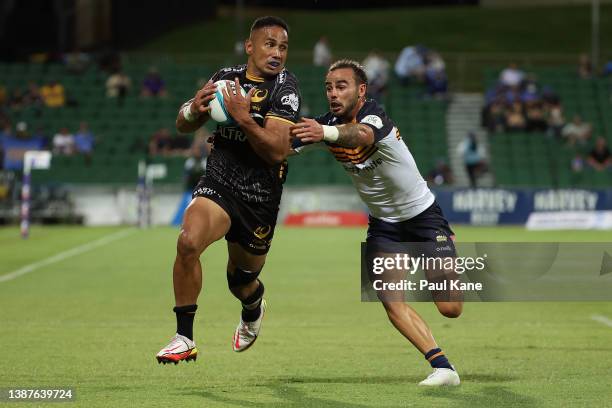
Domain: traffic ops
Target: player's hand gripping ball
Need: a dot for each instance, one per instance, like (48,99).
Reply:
(218,112)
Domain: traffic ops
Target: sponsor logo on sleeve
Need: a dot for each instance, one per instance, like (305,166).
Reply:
(373,120)
(291,100)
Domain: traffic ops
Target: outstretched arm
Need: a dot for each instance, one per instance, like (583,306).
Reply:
(349,135)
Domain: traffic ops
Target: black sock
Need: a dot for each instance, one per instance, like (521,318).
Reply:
(251,306)
(437,359)
(184,320)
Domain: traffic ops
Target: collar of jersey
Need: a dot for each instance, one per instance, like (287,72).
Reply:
(254,78)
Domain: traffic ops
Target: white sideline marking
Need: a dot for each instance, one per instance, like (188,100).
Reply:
(602,319)
(65,255)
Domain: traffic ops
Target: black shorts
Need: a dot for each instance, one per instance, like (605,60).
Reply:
(252,224)
(428,226)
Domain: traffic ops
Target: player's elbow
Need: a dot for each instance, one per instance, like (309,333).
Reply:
(275,157)
(179,125)
(366,136)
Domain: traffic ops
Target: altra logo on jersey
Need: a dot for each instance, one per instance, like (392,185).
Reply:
(232,133)
(373,120)
(291,100)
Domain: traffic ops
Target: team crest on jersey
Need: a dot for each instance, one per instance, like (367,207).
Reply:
(291,100)
(373,120)
(259,95)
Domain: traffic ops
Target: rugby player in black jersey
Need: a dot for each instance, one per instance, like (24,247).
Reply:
(239,196)
(361,136)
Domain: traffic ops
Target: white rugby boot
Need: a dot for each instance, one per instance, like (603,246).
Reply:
(179,349)
(440,377)
(246,333)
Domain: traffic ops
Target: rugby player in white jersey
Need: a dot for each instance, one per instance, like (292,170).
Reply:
(365,141)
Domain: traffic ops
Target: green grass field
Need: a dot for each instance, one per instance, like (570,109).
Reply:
(95,320)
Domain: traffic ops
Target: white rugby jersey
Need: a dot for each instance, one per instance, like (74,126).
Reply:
(384,173)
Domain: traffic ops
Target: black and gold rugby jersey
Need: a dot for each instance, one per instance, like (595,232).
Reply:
(233,163)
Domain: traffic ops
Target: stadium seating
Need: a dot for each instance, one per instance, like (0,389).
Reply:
(534,159)
(122,131)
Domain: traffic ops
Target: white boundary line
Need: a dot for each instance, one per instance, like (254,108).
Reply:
(65,255)
(602,319)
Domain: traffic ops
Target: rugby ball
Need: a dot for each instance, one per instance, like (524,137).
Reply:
(217,108)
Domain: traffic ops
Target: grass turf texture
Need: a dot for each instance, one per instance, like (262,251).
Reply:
(96,320)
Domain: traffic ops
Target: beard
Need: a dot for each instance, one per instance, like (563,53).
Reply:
(349,107)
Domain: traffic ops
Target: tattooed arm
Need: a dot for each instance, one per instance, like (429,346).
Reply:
(349,135)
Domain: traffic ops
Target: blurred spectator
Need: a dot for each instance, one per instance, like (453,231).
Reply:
(322,55)
(473,156)
(441,174)
(556,120)
(599,158)
(607,69)
(84,141)
(118,85)
(528,93)
(109,61)
(437,83)
(515,120)
(410,65)
(585,68)
(494,115)
(195,165)
(577,131)
(377,70)
(3,95)
(15,145)
(180,145)
(536,116)
(77,61)
(53,94)
(63,142)
(577,163)
(153,85)
(32,96)
(239,48)
(511,76)
(435,62)
(163,143)
(159,144)
(17,99)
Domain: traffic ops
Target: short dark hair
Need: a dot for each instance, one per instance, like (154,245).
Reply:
(269,21)
(358,71)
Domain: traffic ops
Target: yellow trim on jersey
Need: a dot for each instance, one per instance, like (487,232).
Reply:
(253,77)
(279,118)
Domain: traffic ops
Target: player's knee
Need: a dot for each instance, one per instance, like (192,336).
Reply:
(450,309)
(188,246)
(241,281)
